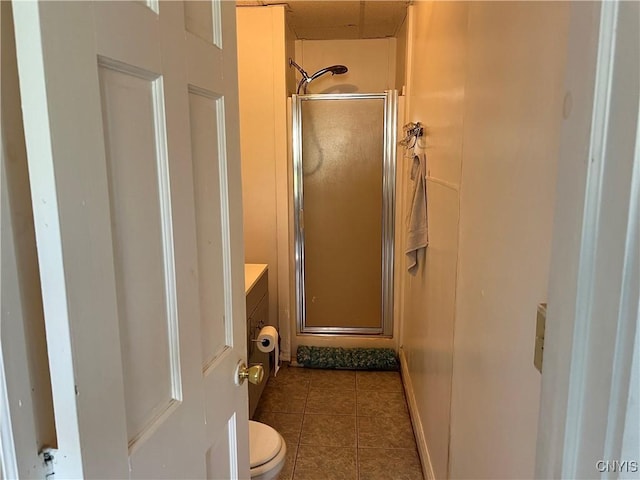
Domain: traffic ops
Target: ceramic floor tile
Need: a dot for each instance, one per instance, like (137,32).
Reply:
(287,471)
(325,463)
(380,381)
(329,430)
(331,402)
(290,375)
(284,399)
(385,432)
(315,412)
(333,379)
(387,464)
(372,403)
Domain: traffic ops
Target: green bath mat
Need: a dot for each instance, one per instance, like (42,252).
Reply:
(348,358)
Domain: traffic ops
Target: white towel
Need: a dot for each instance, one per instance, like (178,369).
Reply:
(417,227)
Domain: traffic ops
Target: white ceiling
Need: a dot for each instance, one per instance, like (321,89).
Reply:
(326,20)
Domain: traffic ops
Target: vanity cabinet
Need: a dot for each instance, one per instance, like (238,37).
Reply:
(257,298)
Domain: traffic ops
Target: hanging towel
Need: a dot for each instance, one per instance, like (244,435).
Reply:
(417,227)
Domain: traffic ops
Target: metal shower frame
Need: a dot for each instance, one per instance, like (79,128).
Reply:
(390,98)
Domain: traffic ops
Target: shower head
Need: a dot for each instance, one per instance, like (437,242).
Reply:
(334,69)
(306,79)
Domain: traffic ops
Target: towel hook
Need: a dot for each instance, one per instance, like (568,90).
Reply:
(412,131)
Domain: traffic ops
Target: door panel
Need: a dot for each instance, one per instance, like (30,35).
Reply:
(203,110)
(204,19)
(137,169)
(138,222)
(219,466)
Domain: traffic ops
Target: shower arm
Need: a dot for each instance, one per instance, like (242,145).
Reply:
(305,77)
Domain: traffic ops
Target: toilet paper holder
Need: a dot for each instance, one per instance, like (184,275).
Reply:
(268,340)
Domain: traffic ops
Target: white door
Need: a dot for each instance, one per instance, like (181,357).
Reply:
(131,122)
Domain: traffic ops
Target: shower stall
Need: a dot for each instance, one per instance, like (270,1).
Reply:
(344,169)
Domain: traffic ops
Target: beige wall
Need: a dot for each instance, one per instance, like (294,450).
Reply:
(401,56)
(435,98)
(486,80)
(513,112)
(264,42)
(290,53)
(371,63)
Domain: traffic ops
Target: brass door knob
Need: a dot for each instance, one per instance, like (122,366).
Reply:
(254,373)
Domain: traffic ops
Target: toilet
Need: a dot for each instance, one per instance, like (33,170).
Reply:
(267,451)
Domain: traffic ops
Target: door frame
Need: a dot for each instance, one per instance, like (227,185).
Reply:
(18,432)
(579,421)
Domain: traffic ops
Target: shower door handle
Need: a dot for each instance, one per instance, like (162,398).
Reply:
(301,216)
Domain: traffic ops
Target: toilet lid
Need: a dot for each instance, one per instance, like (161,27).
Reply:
(264,443)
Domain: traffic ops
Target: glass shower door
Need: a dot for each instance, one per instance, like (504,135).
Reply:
(344,173)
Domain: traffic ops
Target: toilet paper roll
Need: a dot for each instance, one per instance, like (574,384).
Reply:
(268,342)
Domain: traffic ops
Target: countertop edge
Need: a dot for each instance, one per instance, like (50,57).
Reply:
(252,273)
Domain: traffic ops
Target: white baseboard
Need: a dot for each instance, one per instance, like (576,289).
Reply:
(423,450)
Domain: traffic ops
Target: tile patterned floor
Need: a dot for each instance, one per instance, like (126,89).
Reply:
(341,425)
